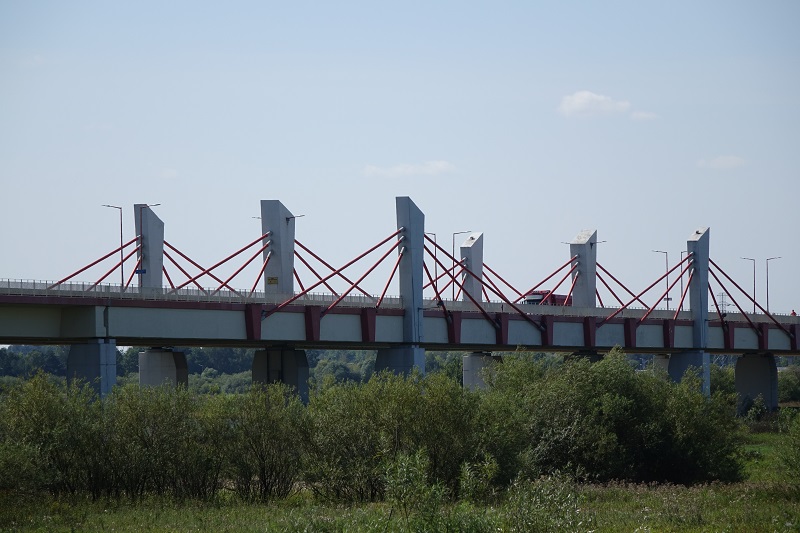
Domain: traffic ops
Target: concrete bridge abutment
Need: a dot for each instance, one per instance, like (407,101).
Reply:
(94,362)
(756,375)
(282,365)
(159,366)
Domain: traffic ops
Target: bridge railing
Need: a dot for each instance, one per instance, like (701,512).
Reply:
(90,290)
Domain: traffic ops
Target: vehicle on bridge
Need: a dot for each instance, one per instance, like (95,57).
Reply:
(547,298)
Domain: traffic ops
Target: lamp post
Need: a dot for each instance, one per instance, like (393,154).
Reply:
(767,263)
(666,266)
(121,270)
(754,281)
(454,258)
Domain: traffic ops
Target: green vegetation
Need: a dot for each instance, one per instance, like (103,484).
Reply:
(551,445)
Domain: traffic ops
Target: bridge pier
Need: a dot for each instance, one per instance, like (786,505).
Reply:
(474,364)
(94,362)
(282,365)
(158,366)
(677,364)
(401,360)
(755,375)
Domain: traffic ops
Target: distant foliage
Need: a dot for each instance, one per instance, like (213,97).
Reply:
(26,361)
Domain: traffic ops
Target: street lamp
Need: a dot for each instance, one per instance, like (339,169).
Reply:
(754,281)
(767,263)
(666,266)
(454,258)
(121,271)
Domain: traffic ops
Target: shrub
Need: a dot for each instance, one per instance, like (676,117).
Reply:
(789,453)
(166,440)
(789,384)
(343,460)
(603,421)
(55,430)
(269,429)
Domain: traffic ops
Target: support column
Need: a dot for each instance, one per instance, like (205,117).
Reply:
(279,221)
(472,255)
(756,375)
(282,365)
(402,359)
(150,230)
(158,366)
(94,362)
(698,246)
(585,248)
(474,365)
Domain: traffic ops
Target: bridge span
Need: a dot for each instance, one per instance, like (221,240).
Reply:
(281,321)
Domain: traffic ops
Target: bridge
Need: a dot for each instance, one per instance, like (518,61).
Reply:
(442,302)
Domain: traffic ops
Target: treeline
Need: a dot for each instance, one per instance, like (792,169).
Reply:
(358,442)
(218,369)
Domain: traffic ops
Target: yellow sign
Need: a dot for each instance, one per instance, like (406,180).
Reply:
(272,281)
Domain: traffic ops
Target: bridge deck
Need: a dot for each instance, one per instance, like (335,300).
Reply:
(30,313)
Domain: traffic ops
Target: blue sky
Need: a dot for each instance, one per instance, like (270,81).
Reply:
(529,121)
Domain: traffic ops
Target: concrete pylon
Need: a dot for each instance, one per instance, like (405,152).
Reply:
(473,368)
(584,246)
(150,229)
(756,375)
(94,362)
(282,365)
(472,255)
(158,366)
(403,359)
(698,247)
(279,221)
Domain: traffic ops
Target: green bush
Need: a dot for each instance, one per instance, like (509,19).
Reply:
(356,428)
(269,431)
(603,421)
(789,384)
(56,430)
(166,440)
(790,450)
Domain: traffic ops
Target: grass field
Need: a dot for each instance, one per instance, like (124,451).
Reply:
(765,501)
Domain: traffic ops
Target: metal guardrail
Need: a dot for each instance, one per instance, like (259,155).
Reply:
(111,291)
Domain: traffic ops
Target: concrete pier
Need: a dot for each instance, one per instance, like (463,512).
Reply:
(158,366)
(282,365)
(94,362)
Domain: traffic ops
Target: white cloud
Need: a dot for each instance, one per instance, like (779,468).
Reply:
(587,103)
(722,162)
(643,115)
(429,168)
